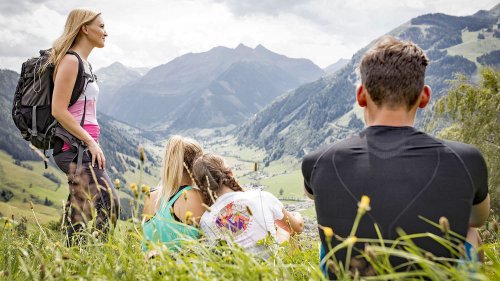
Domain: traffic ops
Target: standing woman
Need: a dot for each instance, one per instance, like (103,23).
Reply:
(84,30)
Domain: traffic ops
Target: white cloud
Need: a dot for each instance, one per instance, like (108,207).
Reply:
(152,32)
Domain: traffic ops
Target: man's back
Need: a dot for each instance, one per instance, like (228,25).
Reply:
(406,173)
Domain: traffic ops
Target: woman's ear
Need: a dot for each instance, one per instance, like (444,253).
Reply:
(85,29)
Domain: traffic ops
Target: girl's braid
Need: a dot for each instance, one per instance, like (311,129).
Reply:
(191,175)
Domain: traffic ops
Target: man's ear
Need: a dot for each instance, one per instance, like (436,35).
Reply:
(425,96)
(361,95)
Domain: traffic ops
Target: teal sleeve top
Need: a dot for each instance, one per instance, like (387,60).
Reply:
(162,227)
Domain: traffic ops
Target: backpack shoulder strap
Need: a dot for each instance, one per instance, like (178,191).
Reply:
(80,79)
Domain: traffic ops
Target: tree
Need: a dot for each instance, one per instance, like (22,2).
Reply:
(474,110)
(281,191)
(47,202)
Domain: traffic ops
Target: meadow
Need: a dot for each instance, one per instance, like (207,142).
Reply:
(33,244)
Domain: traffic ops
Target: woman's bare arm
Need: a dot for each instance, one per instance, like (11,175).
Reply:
(64,83)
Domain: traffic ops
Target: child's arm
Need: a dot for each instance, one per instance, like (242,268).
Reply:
(293,220)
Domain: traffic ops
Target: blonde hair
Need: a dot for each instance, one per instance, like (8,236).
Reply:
(211,173)
(76,19)
(179,156)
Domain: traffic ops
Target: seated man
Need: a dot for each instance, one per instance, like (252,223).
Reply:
(405,172)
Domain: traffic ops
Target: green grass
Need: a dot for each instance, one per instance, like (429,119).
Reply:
(472,48)
(18,180)
(33,252)
(309,212)
(39,252)
(292,184)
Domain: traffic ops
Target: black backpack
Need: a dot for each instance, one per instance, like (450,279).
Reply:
(32,106)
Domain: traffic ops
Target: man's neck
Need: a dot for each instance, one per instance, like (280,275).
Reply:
(388,117)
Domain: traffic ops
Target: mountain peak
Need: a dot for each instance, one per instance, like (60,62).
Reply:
(242,46)
(115,65)
(261,47)
(495,11)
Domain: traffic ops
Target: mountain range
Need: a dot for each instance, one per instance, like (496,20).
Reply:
(269,98)
(334,67)
(110,79)
(217,88)
(323,111)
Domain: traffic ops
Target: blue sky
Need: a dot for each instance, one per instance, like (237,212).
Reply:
(152,32)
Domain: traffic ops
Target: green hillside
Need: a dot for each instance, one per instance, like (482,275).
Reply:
(472,47)
(24,181)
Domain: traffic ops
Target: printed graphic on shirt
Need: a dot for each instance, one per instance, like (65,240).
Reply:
(234,217)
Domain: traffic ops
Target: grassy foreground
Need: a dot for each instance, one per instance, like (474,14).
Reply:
(30,251)
(40,254)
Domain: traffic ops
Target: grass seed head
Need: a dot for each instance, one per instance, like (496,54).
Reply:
(445,225)
(141,153)
(133,187)
(117,184)
(207,208)
(332,267)
(31,205)
(370,252)
(429,256)
(495,227)
(486,235)
(249,210)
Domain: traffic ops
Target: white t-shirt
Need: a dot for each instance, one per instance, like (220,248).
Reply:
(230,219)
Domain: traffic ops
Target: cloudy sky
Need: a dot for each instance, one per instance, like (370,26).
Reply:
(152,32)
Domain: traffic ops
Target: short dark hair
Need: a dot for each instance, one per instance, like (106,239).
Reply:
(393,72)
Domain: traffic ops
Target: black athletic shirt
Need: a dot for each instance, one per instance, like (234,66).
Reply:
(406,174)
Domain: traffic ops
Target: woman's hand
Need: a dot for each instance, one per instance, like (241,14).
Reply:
(97,154)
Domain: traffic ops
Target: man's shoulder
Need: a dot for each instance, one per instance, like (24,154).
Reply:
(463,150)
(331,148)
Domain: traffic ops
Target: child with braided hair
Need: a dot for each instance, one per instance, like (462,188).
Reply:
(244,217)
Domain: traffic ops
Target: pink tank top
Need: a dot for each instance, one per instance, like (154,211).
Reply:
(90,123)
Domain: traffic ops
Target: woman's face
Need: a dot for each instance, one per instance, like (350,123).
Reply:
(96,33)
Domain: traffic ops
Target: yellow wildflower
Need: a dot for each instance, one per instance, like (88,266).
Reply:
(364,205)
(189,214)
(351,240)
(145,189)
